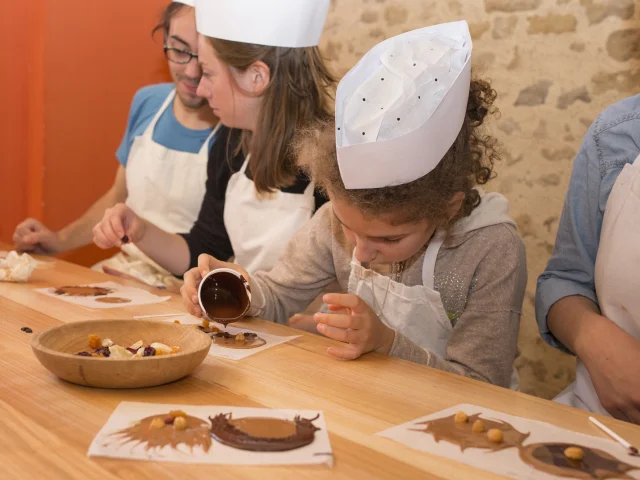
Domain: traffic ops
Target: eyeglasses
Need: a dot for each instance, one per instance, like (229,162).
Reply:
(176,55)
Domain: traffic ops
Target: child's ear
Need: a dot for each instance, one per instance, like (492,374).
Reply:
(260,76)
(455,204)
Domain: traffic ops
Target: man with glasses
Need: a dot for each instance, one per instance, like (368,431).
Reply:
(163,159)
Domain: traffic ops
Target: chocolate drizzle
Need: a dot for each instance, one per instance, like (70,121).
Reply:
(261,434)
(82,291)
(596,464)
(227,340)
(195,435)
(460,433)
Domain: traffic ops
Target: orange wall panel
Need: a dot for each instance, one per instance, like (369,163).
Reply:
(67,103)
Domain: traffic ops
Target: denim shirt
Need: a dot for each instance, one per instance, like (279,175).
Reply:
(612,141)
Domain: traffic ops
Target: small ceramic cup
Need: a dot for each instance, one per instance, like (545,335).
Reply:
(224,296)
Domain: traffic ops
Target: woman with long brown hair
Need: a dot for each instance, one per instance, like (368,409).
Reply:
(264,77)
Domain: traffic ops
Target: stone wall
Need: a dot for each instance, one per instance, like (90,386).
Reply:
(555,65)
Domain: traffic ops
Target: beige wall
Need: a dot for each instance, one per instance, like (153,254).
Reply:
(555,65)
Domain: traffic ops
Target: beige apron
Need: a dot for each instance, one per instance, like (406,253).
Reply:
(165,187)
(260,228)
(616,276)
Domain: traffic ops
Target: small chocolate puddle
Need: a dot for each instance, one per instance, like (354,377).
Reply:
(113,300)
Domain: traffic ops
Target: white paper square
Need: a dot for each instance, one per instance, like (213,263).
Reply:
(136,295)
(504,462)
(127,413)
(233,353)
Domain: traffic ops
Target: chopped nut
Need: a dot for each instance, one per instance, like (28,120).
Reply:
(461,417)
(478,426)
(180,423)
(495,435)
(177,413)
(240,337)
(205,323)
(157,423)
(137,345)
(94,341)
(107,342)
(574,453)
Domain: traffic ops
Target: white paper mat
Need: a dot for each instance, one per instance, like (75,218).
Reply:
(505,462)
(232,353)
(136,295)
(128,413)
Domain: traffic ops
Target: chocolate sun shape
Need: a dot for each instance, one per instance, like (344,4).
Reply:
(261,434)
(82,291)
(460,433)
(595,464)
(195,435)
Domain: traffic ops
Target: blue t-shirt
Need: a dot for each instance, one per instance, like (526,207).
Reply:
(168,131)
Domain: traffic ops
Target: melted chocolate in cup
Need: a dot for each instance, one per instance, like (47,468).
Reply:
(224,296)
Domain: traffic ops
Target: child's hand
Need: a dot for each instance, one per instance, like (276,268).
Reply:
(193,277)
(357,325)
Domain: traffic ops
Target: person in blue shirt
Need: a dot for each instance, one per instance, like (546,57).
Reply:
(163,159)
(588,298)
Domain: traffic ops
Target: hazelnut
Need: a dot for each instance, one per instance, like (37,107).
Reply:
(240,337)
(180,423)
(461,417)
(94,341)
(574,453)
(495,435)
(478,426)
(157,423)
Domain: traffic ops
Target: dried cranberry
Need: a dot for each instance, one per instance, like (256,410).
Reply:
(169,420)
(149,351)
(132,350)
(104,351)
(84,354)
(26,330)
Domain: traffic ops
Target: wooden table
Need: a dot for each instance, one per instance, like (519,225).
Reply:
(46,425)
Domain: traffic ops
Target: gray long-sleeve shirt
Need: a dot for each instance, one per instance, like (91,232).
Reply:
(481,276)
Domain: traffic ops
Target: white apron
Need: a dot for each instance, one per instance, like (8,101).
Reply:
(616,278)
(260,228)
(417,312)
(165,187)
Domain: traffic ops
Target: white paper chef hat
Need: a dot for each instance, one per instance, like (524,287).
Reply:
(191,3)
(399,110)
(278,23)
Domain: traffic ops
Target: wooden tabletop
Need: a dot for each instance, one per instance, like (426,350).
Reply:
(46,425)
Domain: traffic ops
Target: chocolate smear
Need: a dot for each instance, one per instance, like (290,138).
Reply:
(195,435)
(461,434)
(595,464)
(262,434)
(113,300)
(82,291)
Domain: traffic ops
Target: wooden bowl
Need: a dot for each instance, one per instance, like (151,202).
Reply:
(56,347)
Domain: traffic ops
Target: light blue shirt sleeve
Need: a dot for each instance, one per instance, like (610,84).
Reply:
(611,142)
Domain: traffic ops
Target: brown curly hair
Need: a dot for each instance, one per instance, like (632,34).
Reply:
(469,162)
